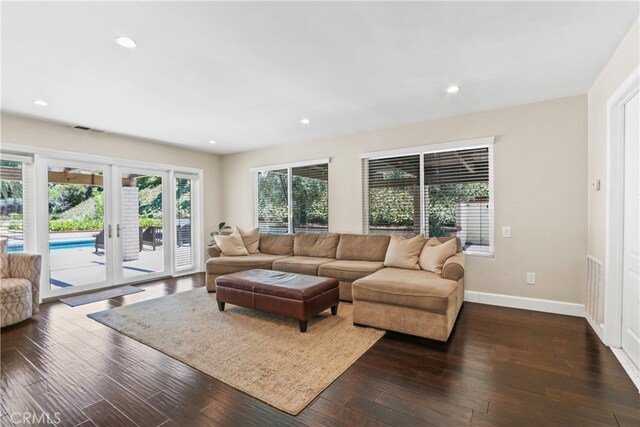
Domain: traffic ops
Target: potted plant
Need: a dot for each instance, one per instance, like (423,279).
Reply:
(221,227)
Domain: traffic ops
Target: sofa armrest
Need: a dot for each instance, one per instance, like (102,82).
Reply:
(213,251)
(453,267)
(27,266)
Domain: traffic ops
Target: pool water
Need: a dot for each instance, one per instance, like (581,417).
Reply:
(58,244)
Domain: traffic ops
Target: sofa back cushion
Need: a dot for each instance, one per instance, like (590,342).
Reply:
(321,245)
(446,239)
(276,244)
(362,247)
(403,252)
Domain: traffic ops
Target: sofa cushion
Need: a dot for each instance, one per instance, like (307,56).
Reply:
(301,264)
(403,252)
(251,239)
(348,271)
(276,244)
(321,245)
(234,264)
(434,254)
(408,288)
(362,247)
(231,245)
(446,239)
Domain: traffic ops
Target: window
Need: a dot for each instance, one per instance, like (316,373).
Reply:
(292,198)
(441,190)
(14,207)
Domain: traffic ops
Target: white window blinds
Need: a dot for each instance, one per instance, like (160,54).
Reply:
(441,193)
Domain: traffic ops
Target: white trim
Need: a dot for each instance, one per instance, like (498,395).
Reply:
(75,156)
(430,148)
(627,364)
(535,304)
(290,200)
(423,211)
(326,160)
(598,329)
(16,158)
(614,221)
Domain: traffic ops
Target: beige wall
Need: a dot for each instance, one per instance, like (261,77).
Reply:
(25,131)
(540,175)
(623,62)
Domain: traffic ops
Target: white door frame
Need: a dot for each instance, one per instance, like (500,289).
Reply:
(614,221)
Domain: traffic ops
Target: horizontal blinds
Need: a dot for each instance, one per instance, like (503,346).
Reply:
(184,229)
(457,196)
(273,201)
(310,198)
(392,199)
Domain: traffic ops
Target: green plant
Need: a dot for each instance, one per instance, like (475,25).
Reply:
(221,227)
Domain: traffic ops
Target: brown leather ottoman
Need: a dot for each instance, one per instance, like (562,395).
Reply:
(288,294)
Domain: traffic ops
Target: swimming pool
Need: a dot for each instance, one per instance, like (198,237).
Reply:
(58,244)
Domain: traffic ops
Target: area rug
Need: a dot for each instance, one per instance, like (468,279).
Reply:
(102,295)
(263,355)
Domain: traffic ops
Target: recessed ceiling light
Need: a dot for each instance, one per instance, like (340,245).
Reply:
(453,89)
(212,142)
(305,121)
(126,42)
(40,102)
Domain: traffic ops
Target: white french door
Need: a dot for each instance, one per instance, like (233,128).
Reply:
(100,225)
(73,229)
(143,245)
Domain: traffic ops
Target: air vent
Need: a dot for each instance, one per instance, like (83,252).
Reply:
(88,129)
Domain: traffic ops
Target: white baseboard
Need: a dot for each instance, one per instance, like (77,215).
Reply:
(630,368)
(547,306)
(598,329)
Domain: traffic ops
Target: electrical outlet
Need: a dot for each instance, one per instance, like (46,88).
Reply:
(506,231)
(531,278)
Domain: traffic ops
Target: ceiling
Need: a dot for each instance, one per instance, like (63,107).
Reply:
(245,74)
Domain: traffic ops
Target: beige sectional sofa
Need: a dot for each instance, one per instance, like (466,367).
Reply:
(415,302)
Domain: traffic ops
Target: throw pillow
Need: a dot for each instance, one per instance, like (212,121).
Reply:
(251,239)
(403,252)
(5,272)
(231,245)
(435,253)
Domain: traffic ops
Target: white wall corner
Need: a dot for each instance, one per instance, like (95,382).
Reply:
(546,306)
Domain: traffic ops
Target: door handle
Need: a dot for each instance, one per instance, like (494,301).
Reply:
(118,230)
(109,231)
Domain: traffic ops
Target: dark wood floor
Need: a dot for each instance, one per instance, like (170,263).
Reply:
(500,367)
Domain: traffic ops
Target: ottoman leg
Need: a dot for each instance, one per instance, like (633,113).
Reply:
(303,325)
(334,310)
(220,305)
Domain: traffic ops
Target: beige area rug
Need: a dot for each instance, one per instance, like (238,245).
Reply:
(260,354)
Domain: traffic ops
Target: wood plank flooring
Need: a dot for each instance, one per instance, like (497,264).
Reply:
(500,367)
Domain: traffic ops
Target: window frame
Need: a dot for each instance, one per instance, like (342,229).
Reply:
(289,167)
(485,142)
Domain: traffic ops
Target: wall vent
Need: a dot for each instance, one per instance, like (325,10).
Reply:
(88,129)
(595,291)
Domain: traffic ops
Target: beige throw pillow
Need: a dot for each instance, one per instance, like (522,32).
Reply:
(403,252)
(251,239)
(434,254)
(231,245)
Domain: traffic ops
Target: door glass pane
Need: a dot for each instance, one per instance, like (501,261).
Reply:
(76,227)
(273,204)
(11,206)
(140,227)
(184,206)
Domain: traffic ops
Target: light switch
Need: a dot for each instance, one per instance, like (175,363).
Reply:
(506,231)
